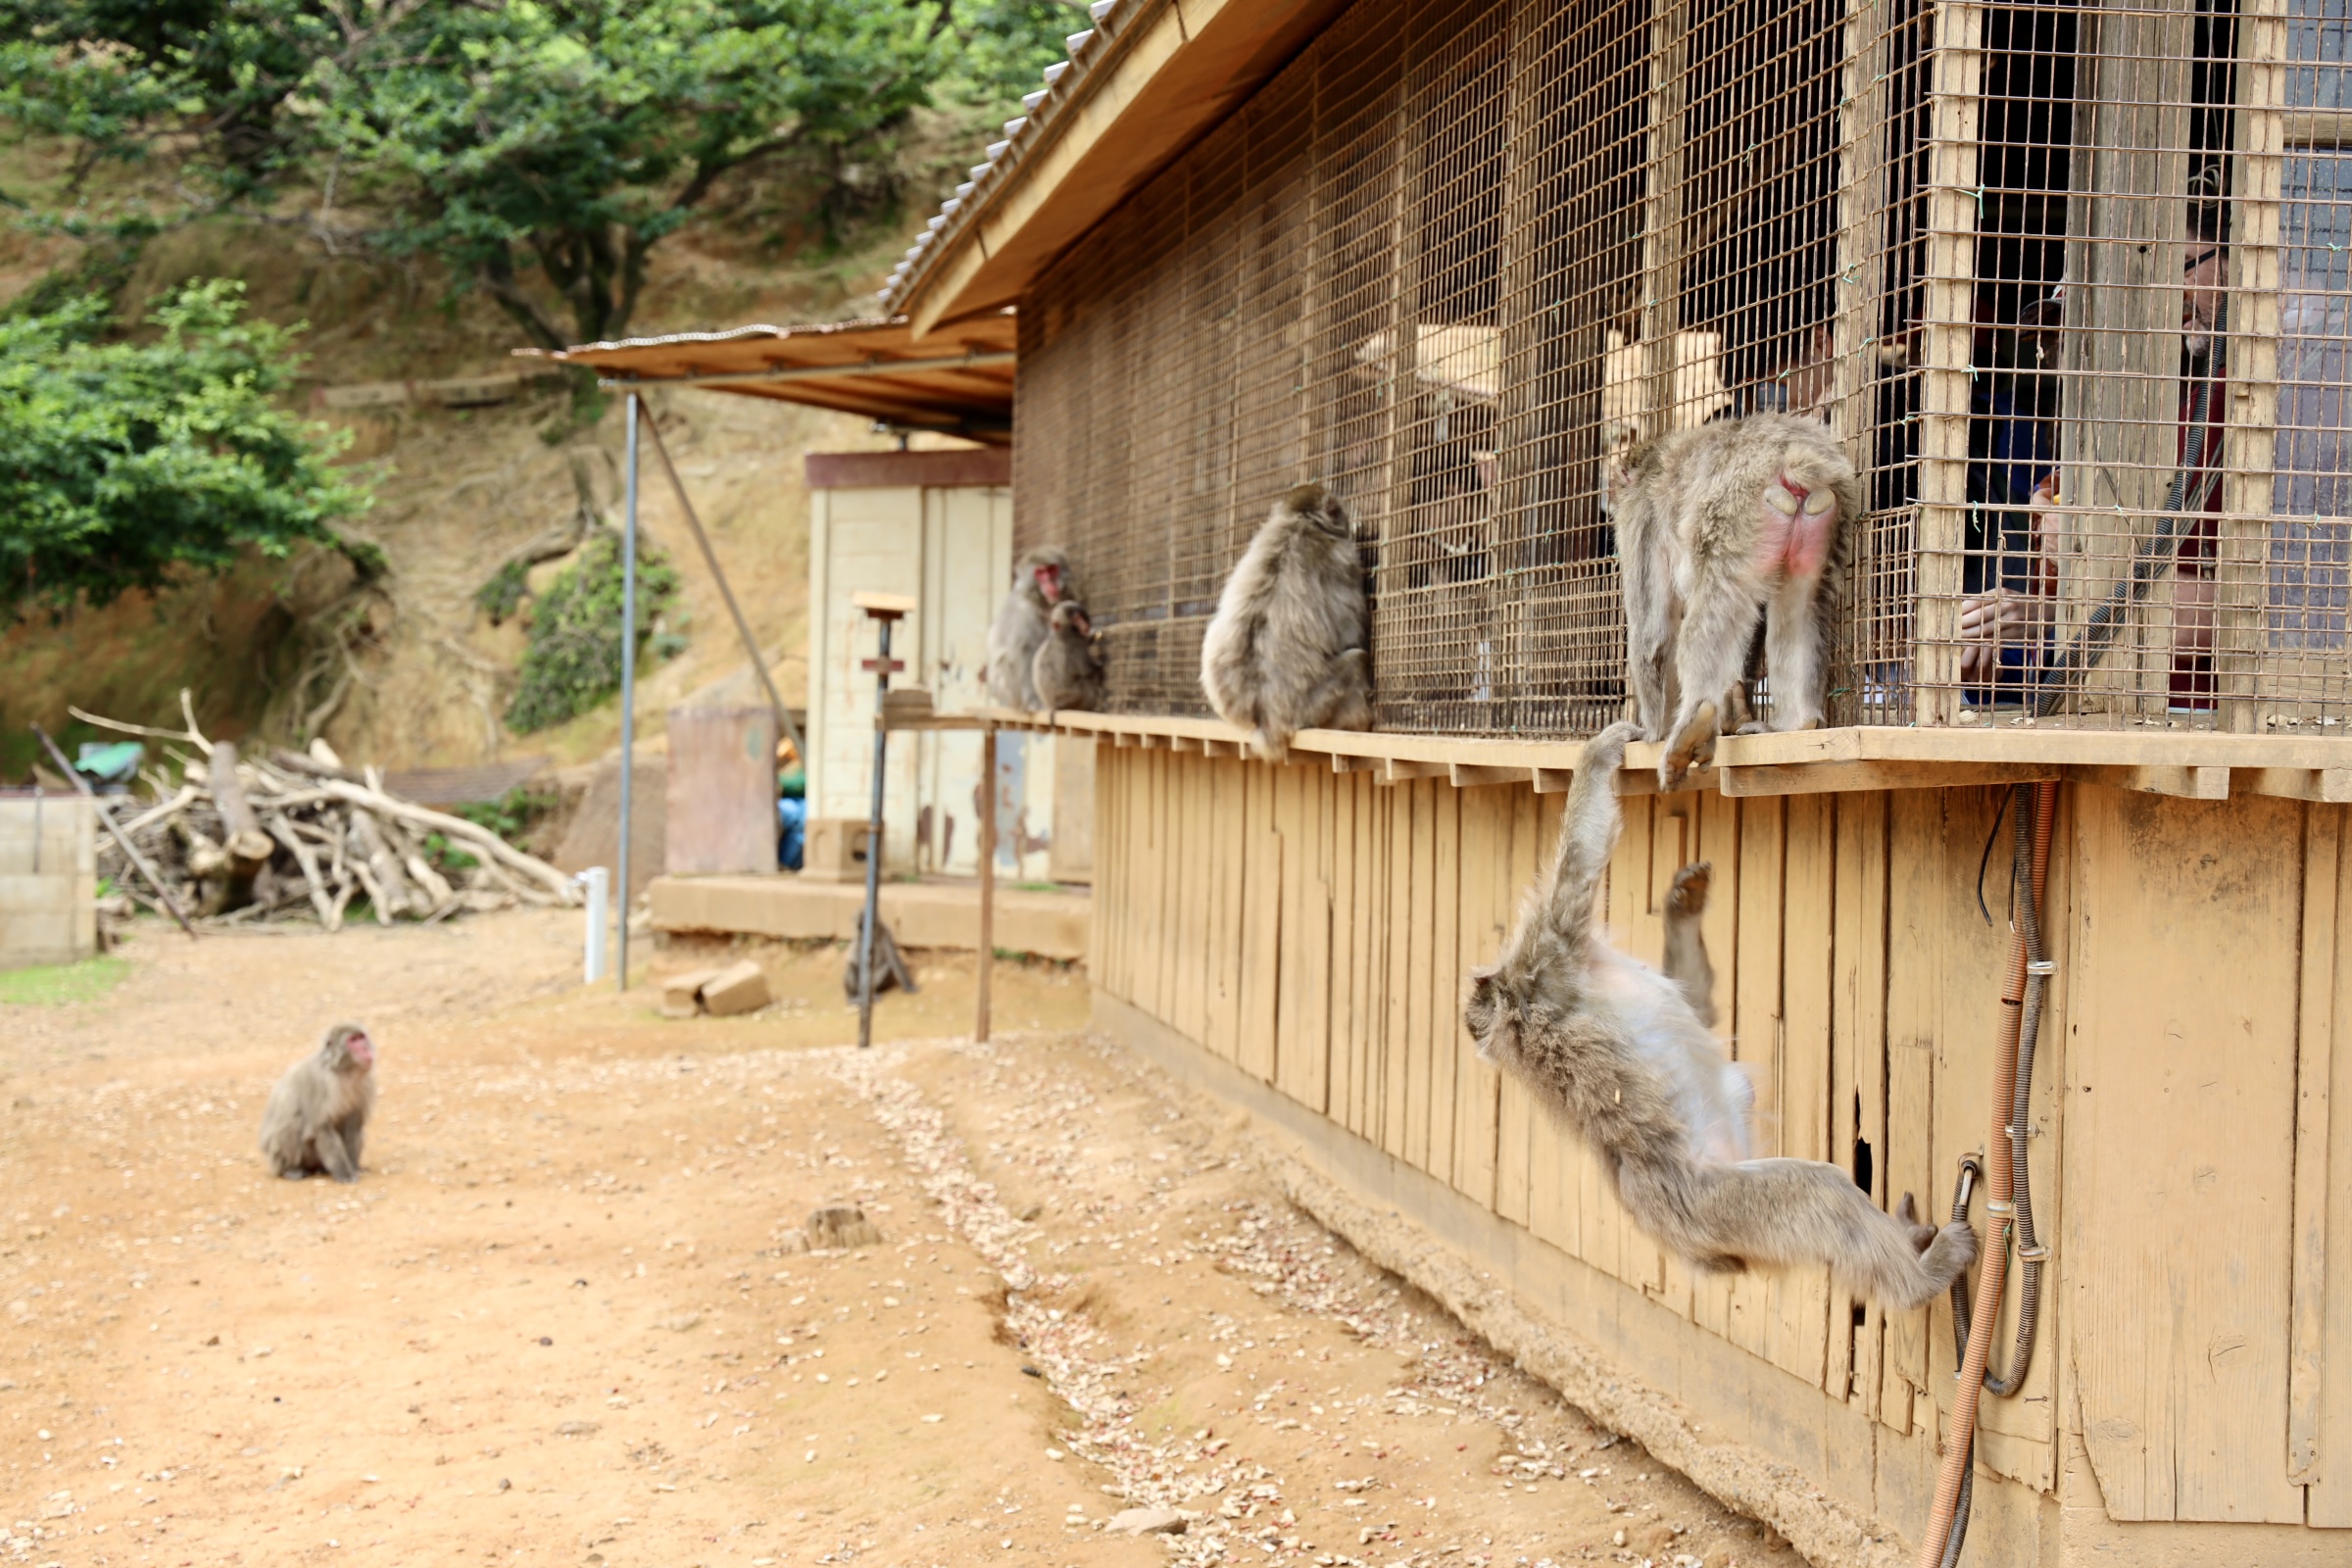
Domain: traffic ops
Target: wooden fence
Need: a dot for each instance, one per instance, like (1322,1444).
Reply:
(1299,938)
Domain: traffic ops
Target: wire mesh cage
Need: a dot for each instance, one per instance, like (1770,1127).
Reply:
(2070,283)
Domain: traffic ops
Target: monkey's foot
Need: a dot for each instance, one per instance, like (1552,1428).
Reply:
(293,1175)
(1688,895)
(1948,1256)
(1692,744)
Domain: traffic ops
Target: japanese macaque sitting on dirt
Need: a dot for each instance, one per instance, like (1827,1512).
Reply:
(1620,1054)
(1720,525)
(318,1114)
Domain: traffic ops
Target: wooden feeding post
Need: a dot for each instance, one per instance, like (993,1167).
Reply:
(885,611)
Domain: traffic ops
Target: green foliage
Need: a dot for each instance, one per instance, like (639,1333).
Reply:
(561,137)
(122,461)
(574,135)
(513,816)
(61,985)
(503,594)
(213,80)
(573,662)
(1003,47)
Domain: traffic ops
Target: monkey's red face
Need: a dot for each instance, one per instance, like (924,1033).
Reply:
(1048,581)
(360,1049)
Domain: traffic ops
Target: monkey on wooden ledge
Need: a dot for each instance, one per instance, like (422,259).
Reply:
(1290,646)
(1621,1052)
(318,1114)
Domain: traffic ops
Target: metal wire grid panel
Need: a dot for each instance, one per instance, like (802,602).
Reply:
(2069,282)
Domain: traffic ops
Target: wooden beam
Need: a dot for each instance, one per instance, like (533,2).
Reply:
(1821,778)
(2331,785)
(1469,775)
(1401,770)
(2188,783)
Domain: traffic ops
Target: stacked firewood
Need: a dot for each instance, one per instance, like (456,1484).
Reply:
(298,836)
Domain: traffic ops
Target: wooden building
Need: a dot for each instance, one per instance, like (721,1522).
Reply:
(2070,283)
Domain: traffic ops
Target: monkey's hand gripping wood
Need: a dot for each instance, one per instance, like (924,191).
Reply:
(1618,1052)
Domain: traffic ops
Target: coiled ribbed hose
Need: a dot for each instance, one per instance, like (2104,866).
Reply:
(2012,1087)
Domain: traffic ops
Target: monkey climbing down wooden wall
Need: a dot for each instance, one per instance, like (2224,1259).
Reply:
(1721,523)
(318,1114)
(1290,648)
(1617,1050)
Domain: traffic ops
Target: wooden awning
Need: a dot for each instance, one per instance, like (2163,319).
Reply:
(1146,82)
(958,380)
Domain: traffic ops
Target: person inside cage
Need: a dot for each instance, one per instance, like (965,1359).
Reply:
(2010,578)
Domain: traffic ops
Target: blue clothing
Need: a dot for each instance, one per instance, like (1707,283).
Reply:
(792,814)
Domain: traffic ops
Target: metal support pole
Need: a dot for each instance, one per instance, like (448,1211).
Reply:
(628,696)
(743,627)
(988,878)
(874,841)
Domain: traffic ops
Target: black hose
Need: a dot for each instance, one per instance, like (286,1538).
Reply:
(1970,1169)
(2030,1253)
(2151,556)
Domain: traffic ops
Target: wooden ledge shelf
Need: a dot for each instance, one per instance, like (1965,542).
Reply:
(2198,765)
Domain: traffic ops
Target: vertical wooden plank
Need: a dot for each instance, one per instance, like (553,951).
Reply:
(1262,923)
(1715,839)
(1801,1296)
(1917,889)
(2330,1489)
(1445,971)
(1176,853)
(1188,987)
(1290,1005)
(1151,902)
(2315,1073)
(1312,1082)
(1861,1002)
(1555,1199)
(1485,815)
(1346,926)
(1756,1024)
(2249,449)
(2179,1164)
(1955,108)
(1403,912)
(1409,1099)
(1514,1112)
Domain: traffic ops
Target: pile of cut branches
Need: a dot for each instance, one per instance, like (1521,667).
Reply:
(296,835)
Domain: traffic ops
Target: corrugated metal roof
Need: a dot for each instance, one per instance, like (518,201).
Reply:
(958,380)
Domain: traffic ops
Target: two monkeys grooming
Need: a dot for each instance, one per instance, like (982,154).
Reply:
(1721,526)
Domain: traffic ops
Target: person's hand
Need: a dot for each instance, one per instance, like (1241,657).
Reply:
(1990,621)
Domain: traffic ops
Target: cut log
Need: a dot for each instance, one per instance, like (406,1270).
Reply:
(307,858)
(379,867)
(531,867)
(247,847)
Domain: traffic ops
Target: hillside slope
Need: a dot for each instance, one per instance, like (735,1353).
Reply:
(458,491)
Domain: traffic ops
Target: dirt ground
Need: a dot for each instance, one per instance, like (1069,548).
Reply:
(564,1317)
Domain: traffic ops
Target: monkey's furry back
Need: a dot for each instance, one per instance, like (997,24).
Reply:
(1289,647)
(1699,487)
(1614,1049)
